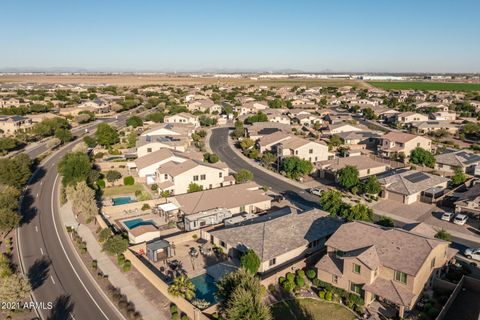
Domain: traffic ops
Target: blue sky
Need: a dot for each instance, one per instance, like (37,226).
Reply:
(341,35)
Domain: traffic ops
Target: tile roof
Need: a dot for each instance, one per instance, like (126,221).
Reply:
(360,162)
(391,291)
(411,182)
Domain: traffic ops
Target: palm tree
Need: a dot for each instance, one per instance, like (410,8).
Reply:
(182,287)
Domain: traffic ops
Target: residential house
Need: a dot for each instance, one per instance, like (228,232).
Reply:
(406,118)
(395,142)
(360,139)
(464,160)
(424,127)
(277,241)
(10,125)
(252,107)
(278,116)
(97,106)
(204,105)
(387,264)
(468,202)
(176,177)
(266,142)
(444,116)
(302,148)
(147,165)
(148,144)
(332,129)
(365,165)
(412,186)
(183,117)
(259,129)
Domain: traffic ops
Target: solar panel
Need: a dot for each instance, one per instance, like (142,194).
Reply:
(417,177)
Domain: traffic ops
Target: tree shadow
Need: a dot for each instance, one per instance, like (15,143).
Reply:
(38,174)
(62,307)
(28,212)
(38,272)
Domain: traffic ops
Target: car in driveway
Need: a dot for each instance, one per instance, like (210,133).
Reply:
(316,191)
(472,253)
(447,216)
(460,219)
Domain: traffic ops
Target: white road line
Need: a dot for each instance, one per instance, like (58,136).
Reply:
(37,194)
(41,251)
(65,252)
(36,229)
(51,277)
(41,182)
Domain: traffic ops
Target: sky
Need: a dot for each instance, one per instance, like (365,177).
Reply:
(195,35)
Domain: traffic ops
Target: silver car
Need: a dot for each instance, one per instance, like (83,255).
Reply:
(460,219)
(472,253)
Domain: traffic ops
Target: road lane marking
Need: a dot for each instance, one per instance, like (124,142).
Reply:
(41,251)
(41,182)
(37,194)
(36,229)
(51,277)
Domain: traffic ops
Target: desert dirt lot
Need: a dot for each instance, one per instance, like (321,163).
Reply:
(142,80)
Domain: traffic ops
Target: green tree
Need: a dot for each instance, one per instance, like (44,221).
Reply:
(250,261)
(131,139)
(421,156)
(134,121)
(115,245)
(295,168)
(90,141)
(359,212)
(14,288)
(106,135)
(74,167)
(83,200)
(239,131)
(259,117)
(129,181)
(7,144)
(113,175)
(348,177)
(15,171)
(334,141)
(442,234)
(243,175)
(5,267)
(246,144)
(386,222)
(268,158)
(459,177)
(193,187)
(9,220)
(104,234)
(65,135)
(369,114)
(9,198)
(155,117)
(210,157)
(371,185)
(183,287)
(331,201)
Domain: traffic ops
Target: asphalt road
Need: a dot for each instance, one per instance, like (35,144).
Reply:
(46,255)
(300,197)
(219,145)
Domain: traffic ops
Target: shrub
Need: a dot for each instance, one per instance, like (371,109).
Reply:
(173,309)
(127,266)
(129,181)
(154,187)
(311,274)
(281,280)
(290,277)
(101,183)
(300,273)
(145,206)
(184,317)
(328,296)
(288,286)
(299,281)
(175,316)
(94,264)
(321,294)
(121,259)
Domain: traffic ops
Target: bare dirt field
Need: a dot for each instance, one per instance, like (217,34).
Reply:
(143,80)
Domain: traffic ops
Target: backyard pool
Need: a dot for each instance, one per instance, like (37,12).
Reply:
(121,200)
(132,224)
(205,288)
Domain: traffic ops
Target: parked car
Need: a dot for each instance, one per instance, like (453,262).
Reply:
(447,216)
(316,191)
(460,219)
(472,253)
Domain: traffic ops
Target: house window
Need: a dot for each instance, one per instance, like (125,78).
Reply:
(195,178)
(220,174)
(222,243)
(203,177)
(400,276)
(310,151)
(296,152)
(368,171)
(165,176)
(339,253)
(356,268)
(432,264)
(272,262)
(357,288)
(334,279)
(149,149)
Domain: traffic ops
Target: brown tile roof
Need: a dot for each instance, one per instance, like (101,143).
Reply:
(360,162)
(271,238)
(226,197)
(391,291)
(153,157)
(411,182)
(331,265)
(396,248)
(401,137)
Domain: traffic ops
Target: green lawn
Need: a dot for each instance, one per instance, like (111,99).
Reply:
(118,190)
(425,85)
(310,309)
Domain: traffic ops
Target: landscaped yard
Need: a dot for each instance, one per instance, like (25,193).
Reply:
(425,85)
(310,309)
(120,190)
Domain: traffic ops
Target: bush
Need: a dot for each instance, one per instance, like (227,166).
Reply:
(121,259)
(288,286)
(184,317)
(300,273)
(129,181)
(281,280)
(290,277)
(173,309)
(311,274)
(175,316)
(154,187)
(145,206)
(127,266)
(299,281)
(328,296)
(321,294)
(101,183)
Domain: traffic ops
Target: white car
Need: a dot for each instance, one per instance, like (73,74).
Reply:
(316,191)
(460,219)
(472,253)
(447,216)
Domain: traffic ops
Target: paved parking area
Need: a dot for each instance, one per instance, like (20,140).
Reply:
(470,228)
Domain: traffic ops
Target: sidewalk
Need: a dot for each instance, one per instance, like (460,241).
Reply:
(115,275)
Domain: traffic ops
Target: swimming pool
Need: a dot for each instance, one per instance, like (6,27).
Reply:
(205,288)
(132,224)
(121,200)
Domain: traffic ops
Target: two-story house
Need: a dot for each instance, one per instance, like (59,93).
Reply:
(302,148)
(406,118)
(9,125)
(466,161)
(388,264)
(182,117)
(402,143)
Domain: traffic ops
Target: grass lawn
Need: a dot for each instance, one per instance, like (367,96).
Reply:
(118,190)
(425,85)
(310,309)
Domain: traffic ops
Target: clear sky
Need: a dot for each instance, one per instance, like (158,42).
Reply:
(192,35)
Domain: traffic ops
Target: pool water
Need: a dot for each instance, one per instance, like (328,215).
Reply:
(121,200)
(205,288)
(132,224)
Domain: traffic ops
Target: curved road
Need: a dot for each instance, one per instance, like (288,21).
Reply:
(219,145)
(46,255)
